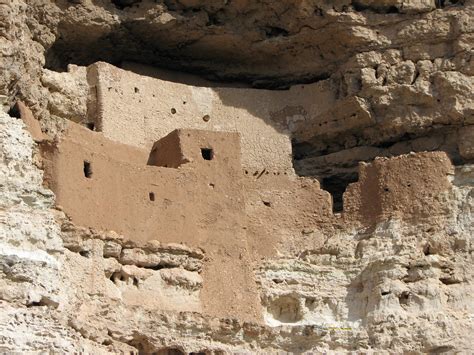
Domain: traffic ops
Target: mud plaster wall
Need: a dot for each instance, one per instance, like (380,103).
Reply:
(138,110)
(237,217)
(282,209)
(411,187)
(199,204)
(191,202)
(198,197)
(436,317)
(201,194)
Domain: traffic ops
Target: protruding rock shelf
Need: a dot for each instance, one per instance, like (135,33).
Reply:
(229,177)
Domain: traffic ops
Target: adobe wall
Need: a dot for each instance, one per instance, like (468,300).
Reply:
(235,215)
(202,197)
(202,194)
(139,110)
(199,205)
(409,186)
(284,211)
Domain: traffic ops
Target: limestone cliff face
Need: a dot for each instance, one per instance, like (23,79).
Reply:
(361,81)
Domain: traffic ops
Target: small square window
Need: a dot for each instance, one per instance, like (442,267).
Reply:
(207,153)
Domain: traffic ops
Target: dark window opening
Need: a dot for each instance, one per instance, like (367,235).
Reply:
(213,20)
(14,111)
(173,111)
(358,6)
(392,10)
(336,185)
(87,169)
(122,4)
(151,196)
(90,125)
(426,250)
(207,153)
(42,302)
(85,253)
(267,203)
(272,31)
(443,3)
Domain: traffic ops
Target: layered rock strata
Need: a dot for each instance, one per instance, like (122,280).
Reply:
(350,227)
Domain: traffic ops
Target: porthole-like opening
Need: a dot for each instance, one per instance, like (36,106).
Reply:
(206,118)
(207,153)
(173,111)
(87,169)
(151,196)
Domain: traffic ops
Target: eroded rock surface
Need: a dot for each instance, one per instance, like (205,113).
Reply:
(386,84)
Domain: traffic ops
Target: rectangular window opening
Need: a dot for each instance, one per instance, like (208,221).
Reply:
(87,169)
(207,153)
(151,196)
(336,185)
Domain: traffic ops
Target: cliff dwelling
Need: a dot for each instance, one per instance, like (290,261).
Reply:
(220,177)
(215,183)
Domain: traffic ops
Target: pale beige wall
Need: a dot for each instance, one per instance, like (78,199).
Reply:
(137,110)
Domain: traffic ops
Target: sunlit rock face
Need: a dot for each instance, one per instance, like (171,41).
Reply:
(339,218)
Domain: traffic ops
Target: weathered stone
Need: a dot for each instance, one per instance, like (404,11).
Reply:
(466,142)
(368,81)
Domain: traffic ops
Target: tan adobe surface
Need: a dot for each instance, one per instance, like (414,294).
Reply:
(199,204)
(199,195)
(409,186)
(235,215)
(145,246)
(139,110)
